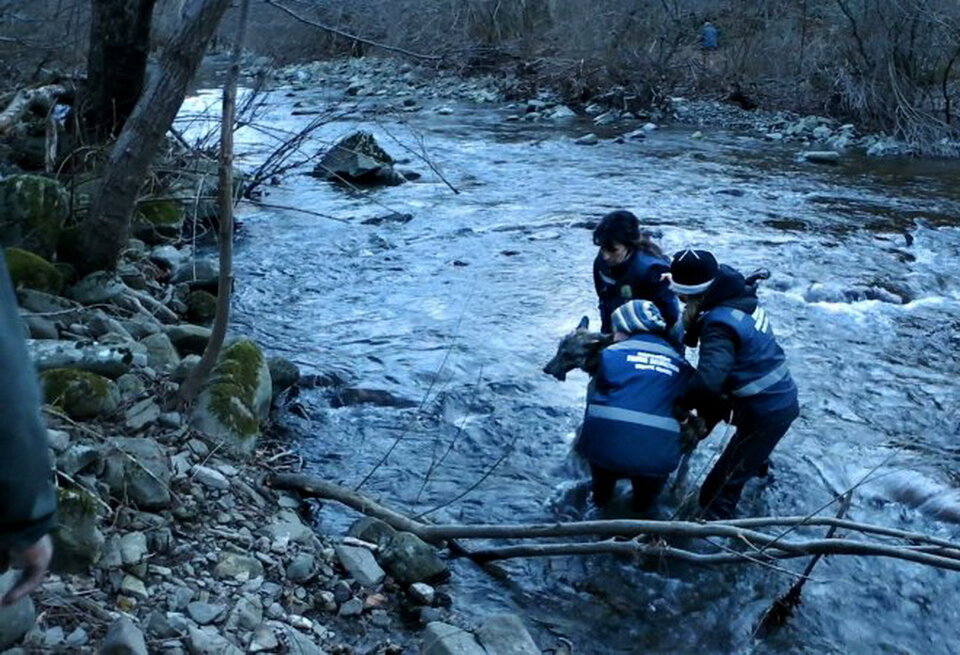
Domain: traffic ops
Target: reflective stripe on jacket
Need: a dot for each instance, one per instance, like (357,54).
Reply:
(629,426)
(760,378)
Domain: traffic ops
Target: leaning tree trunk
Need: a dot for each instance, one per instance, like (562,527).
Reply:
(104,233)
(116,64)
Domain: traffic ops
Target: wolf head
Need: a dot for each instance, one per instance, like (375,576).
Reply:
(578,349)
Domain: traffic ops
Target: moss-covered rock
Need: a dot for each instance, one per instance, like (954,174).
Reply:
(158,220)
(78,543)
(80,394)
(236,399)
(201,306)
(32,212)
(31,271)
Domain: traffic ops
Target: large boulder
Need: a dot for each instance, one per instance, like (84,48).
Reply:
(77,541)
(31,271)
(445,639)
(236,399)
(97,288)
(283,374)
(189,339)
(358,159)
(80,394)
(161,354)
(32,212)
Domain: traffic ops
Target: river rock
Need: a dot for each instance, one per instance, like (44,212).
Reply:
(264,639)
(201,273)
(41,328)
(505,634)
(98,287)
(123,638)
(141,414)
(205,613)
(100,359)
(283,374)
(821,156)
(607,118)
(211,478)
(301,644)
(561,113)
(31,271)
(138,470)
(422,593)
(358,159)
(236,399)
(32,212)
(78,457)
(184,368)
(636,135)
(445,639)
(371,530)
(78,542)
(133,548)
(301,568)
(208,641)
(286,528)
(360,564)
(234,565)
(158,220)
(201,306)
(80,394)
(161,353)
(246,614)
(17,619)
(408,559)
(588,140)
(349,396)
(189,339)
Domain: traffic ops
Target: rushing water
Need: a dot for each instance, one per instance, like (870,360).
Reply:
(458,309)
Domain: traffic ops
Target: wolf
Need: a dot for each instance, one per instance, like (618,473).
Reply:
(578,349)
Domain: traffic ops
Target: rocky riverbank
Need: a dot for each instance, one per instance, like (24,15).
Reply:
(168,541)
(394,85)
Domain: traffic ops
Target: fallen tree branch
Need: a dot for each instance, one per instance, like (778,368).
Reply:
(766,547)
(43,97)
(353,37)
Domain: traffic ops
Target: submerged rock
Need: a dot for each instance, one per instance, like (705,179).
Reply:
(358,159)
(32,211)
(236,399)
(283,374)
(821,156)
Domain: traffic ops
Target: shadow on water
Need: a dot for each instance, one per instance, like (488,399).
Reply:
(459,308)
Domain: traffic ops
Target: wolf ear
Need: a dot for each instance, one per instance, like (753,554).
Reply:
(584,323)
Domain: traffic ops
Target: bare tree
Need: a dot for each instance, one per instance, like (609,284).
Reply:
(199,374)
(104,233)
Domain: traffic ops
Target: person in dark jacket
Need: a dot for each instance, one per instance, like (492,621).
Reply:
(629,428)
(630,266)
(27,499)
(740,363)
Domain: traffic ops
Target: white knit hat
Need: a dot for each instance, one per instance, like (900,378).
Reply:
(638,316)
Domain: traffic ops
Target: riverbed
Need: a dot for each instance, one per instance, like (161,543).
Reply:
(458,309)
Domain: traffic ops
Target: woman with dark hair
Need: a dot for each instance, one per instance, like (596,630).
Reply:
(630,266)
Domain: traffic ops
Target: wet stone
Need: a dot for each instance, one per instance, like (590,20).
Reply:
(361,565)
(353,607)
(205,613)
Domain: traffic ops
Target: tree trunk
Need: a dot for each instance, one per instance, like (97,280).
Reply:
(191,386)
(105,232)
(116,64)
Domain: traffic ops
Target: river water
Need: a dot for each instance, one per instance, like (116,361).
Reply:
(458,309)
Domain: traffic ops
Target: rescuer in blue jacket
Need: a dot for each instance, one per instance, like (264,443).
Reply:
(739,361)
(630,266)
(629,428)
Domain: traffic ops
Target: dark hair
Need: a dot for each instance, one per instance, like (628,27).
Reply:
(623,227)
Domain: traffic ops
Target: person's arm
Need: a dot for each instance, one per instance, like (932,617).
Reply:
(657,285)
(605,315)
(28,506)
(718,352)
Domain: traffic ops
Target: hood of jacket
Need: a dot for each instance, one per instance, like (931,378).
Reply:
(729,289)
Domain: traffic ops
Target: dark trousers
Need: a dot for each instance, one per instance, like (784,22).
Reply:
(743,458)
(646,488)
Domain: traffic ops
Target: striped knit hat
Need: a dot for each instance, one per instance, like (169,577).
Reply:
(638,316)
(692,271)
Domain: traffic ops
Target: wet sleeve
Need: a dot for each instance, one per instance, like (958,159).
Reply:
(717,355)
(27,498)
(605,326)
(659,292)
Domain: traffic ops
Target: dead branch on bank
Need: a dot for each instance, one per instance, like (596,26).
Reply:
(43,98)
(352,37)
(756,546)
